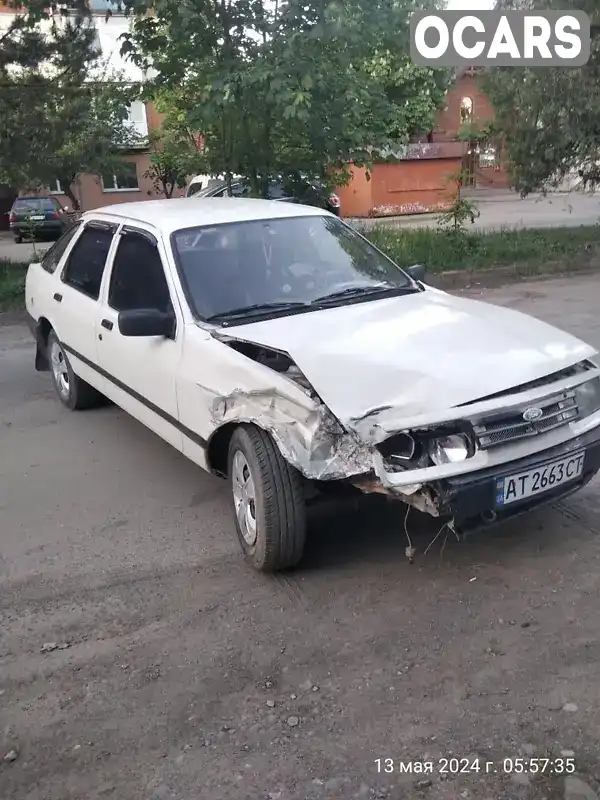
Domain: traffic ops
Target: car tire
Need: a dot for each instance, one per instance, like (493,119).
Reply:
(18,239)
(268,501)
(72,391)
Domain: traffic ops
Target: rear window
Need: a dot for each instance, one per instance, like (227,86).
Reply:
(35,204)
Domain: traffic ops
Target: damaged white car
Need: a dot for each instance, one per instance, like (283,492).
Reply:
(274,346)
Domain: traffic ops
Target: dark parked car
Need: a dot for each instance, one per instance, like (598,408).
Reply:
(38,216)
(311,193)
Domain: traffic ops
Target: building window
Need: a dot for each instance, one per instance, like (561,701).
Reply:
(466,110)
(126,180)
(137,119)
(55,187)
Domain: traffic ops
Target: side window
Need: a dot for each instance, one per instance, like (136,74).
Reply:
(86,262)
(138,277)
(52,257)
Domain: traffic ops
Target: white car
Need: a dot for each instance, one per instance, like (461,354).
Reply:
(275,347)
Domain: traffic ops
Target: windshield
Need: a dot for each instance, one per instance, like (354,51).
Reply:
(297,260)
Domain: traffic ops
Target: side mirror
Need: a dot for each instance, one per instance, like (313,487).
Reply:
(417,272)
(146,322)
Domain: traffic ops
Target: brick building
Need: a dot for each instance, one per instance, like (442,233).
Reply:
(93,191)
(466,102)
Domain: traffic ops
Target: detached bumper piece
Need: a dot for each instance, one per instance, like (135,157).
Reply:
(471,500)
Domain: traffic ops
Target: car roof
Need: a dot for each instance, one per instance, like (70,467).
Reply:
(168,216)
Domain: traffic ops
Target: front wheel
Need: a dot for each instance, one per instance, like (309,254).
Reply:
(268,501)
(72,391)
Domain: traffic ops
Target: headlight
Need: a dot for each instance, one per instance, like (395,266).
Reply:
(588,397)
(449,449)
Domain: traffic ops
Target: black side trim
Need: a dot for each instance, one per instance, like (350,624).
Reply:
(136,396)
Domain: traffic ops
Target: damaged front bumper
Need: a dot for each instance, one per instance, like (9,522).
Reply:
(471,500)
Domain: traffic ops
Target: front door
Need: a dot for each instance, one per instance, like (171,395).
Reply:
(140,371)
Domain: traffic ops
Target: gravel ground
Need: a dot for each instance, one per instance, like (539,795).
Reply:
(140,657)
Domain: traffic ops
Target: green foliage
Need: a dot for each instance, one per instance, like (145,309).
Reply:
(55,120)
(87,129)
(461,210)
(287,86)
(173,157)
(12,284)
(470,131)
(550,118)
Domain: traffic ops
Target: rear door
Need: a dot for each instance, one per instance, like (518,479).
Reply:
(76,298)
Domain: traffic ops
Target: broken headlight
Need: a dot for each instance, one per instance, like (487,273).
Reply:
(449,449)
(588,397)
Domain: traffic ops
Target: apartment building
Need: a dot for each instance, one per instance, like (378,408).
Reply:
(93,191)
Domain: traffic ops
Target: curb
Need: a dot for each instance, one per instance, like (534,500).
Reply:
(501,276)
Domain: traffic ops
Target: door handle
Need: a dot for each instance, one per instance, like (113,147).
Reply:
(106,323)
(58,297)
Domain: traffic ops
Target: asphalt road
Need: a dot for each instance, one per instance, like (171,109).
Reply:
(186,676)
(498,209)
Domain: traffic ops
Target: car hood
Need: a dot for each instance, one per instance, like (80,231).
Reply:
(417,353)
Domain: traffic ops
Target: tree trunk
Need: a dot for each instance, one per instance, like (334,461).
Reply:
(66,185)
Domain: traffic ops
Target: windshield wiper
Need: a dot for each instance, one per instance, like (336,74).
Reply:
(364,291)
(256,309)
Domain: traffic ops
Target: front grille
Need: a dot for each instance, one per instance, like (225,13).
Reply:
(503,428)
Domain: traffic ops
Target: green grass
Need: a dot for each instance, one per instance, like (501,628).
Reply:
(442,251)
(12,285)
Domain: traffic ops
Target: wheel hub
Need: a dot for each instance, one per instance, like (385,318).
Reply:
(59,369)
(244,497)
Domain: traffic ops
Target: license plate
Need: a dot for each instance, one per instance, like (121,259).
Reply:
(37,217)
(538,480)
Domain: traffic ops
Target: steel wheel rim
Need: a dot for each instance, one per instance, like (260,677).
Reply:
(60,370)
(244,498)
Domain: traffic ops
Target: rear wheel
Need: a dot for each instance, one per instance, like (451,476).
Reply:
(72,391)
(268,501)
(18,238)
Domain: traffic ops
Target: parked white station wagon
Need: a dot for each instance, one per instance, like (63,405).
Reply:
(275,347)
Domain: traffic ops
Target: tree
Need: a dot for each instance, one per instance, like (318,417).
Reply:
(60,115)
(173,157)
(549,118)
(87,130)
(287,86)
